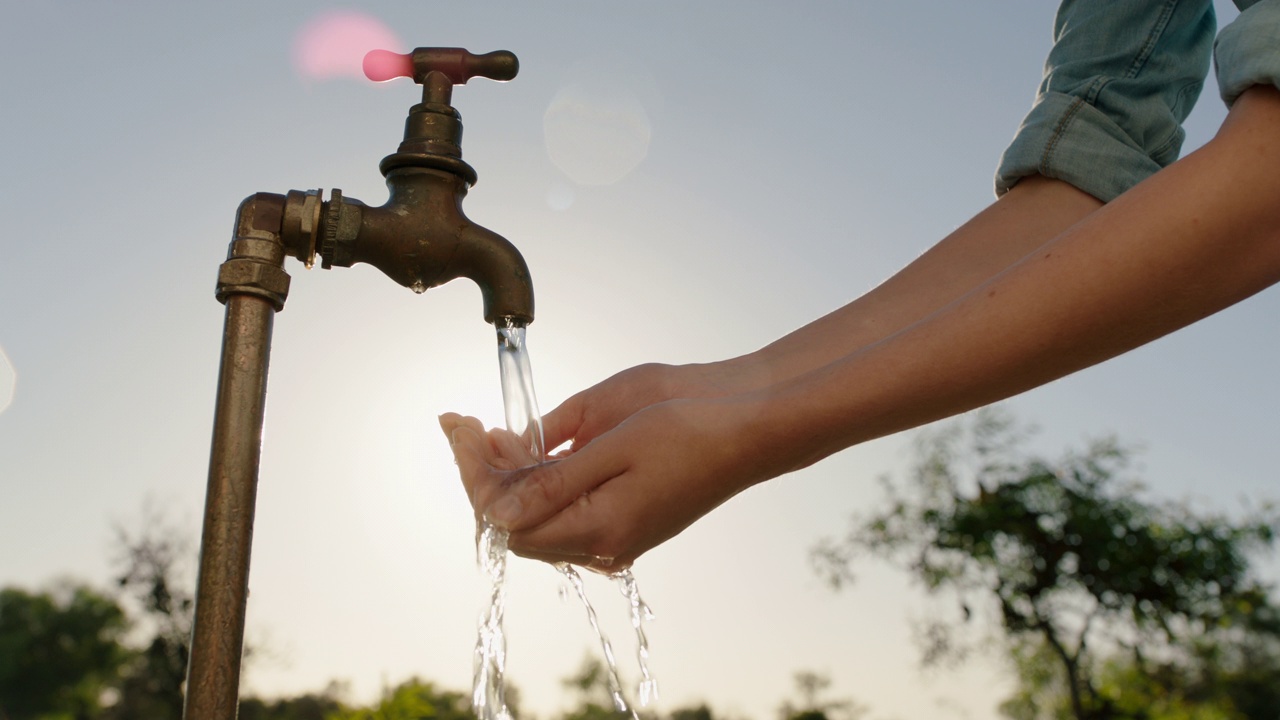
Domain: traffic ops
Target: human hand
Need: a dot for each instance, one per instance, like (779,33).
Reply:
(628,490)
(600,408)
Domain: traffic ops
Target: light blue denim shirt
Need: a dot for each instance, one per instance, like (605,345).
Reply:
(1122,77)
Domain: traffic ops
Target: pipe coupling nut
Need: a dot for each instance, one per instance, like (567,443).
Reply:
(341,220)
(244,276)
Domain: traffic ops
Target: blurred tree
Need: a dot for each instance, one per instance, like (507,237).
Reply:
(810,686)
(595,691)
(311,706)
(155,566)
(412,700)
(1094,588)
(693,712)
(59,651)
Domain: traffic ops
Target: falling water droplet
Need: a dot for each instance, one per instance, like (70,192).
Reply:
(640,614)
(523,419)
(611,664)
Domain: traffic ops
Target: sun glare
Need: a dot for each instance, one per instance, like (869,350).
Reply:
(333,44)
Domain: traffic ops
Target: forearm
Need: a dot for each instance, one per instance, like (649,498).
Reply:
(1032,213)
(1195,238)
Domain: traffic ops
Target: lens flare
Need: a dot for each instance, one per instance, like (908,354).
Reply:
(333,44)
(598,127)
(8,381)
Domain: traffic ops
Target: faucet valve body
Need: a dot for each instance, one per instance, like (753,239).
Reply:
(420,238)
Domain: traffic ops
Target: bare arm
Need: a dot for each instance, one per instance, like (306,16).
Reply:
(1033,212)
(1193,239)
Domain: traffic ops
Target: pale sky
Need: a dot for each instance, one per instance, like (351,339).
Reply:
(687,181)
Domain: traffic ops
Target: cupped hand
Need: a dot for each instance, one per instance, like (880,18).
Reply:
(600,408)
(625,492)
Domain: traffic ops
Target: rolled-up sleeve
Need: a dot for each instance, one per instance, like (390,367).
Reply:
(1121,78)
(1247,51)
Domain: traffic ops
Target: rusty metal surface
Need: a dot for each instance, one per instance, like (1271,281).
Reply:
(217,643)
(420,238)
(253,284)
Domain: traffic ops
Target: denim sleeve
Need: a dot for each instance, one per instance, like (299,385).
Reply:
(1248,50)
(1121,78)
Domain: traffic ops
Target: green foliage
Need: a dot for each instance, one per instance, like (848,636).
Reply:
(695,712)
(311,706)
(1077,564)
(595,693)
(58,652)
(810,687)
(153,569)
(412,700)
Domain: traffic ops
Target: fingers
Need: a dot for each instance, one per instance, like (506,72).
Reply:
(591,532)
(548,507)
(514,448)
(474,458)
(561,424)
(601,565)
(528,497)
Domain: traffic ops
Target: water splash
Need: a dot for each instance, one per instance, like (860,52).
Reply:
(611,664)
(524,419)
(488,689)
(640,614)
(488,697)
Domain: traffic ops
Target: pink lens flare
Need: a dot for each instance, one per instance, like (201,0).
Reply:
(383,65)
(333,44)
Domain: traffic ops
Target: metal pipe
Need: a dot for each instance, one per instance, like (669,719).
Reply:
(253,285)
(420,238)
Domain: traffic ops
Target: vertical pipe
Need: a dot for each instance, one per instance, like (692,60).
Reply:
(217,642)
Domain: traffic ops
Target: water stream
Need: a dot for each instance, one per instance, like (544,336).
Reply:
(523,419)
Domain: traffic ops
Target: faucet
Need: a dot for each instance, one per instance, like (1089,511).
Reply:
(420,238)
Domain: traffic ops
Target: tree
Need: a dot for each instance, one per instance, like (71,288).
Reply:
(598,697)
(154,565)
(413,700)
(310,706)
(810,686)
(1089,582)
(694,712)
(59,651)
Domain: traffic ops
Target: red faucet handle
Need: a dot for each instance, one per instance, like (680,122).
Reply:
(383,65)
(454,63)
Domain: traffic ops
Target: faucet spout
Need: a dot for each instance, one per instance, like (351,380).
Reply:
(422,239)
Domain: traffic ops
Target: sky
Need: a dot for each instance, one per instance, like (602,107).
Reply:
(687,182)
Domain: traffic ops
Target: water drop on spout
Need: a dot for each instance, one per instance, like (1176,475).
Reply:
(418,286)
(383,65)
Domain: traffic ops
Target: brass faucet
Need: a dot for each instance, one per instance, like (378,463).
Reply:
(420,238)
